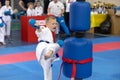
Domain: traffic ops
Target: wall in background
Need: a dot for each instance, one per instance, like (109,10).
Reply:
(116,2)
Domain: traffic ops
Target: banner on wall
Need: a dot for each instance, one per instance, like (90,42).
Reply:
(41,22)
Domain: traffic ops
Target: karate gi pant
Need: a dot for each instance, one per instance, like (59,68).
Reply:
(41,50)
(8,28)
(2,34)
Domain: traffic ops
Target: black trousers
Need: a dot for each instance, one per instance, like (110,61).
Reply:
(66,16)
(46,3)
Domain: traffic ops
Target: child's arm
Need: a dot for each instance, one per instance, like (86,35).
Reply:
(34,23)
(28,12)
(40,31)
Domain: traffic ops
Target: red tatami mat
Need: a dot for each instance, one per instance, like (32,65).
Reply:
(19,57)
(28,56)
(106,46)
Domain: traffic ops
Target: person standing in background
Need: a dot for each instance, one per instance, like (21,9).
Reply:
(3,2)
(41,2)
(67,11)
(23,6)
(46,3)
(39,9)
(7,12)
(2,28)
(31,11)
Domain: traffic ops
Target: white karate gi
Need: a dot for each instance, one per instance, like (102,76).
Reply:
(31,12)
(7,18)
(42,48)
(2,29)
(39,11)
(2,34)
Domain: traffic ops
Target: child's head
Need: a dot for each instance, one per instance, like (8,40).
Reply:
(7,2)
(30,5)
(55,1)
(38,3)
(51,23)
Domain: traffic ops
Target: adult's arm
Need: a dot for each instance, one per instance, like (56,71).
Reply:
(62,12)
(21,4)
(48,11)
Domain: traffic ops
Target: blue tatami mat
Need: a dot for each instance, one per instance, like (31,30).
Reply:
(106,64)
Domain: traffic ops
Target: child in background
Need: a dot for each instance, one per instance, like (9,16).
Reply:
(46,50)
(7,12)
(39,9)
(2,28)
(31,11)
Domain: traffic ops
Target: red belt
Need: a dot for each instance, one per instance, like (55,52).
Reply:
(74,62)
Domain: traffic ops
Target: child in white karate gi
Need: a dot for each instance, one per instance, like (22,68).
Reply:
(46,49)
(39,9)
(31,11)
(7,12)
(2,28)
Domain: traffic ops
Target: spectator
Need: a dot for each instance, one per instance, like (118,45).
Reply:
(3,2)
(39,9)
(31,11)
(68,3)
(46,3)
(2,28)
(7,12)
(23,6)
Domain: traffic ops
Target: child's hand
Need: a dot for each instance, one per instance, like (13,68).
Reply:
(60,42)
(34,24)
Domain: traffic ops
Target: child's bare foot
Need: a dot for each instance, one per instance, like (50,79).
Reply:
(48,54)
(3,43)
(72,78)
